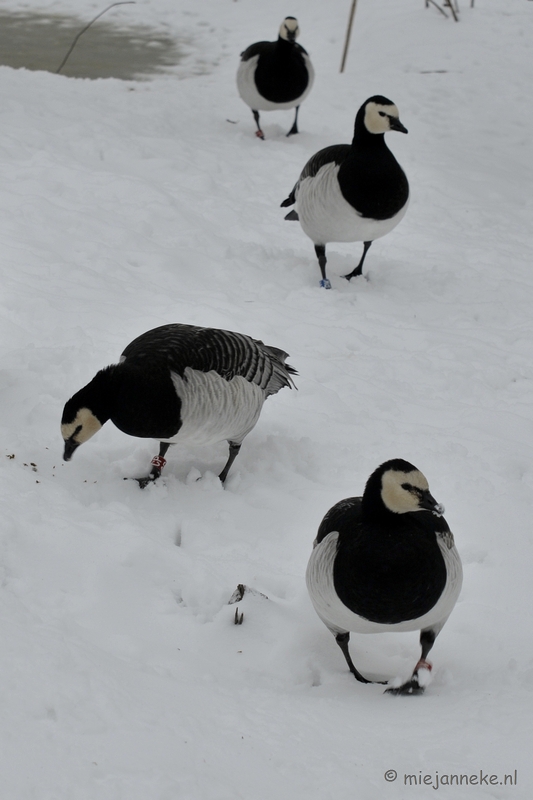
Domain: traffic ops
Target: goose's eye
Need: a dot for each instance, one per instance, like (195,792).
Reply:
(382,114)
(413,489)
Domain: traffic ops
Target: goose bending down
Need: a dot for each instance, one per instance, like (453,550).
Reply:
(180,383)
(273,76)
(353,192)
(386,562)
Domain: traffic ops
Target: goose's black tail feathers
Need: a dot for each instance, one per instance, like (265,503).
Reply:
(291,199)
(292,215)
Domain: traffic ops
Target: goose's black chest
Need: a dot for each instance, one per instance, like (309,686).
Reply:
(281,74)
(389,576)
(373,182)
(145,401)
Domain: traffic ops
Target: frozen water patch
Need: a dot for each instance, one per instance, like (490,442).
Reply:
(38,41)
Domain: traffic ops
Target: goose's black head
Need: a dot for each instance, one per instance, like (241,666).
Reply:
(86,412)
(397,487)
(289,29)
(378,115)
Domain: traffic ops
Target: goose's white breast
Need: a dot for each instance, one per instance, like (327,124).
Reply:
(214,409)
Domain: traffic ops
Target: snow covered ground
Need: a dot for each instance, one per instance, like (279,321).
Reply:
(127,205)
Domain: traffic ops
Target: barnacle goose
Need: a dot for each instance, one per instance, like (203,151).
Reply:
(386,562)
(180,383)
(273,76)
(353,192)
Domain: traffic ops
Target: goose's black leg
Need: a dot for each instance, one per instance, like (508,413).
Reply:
(294,128)
(359,268)
(342,640)
(320,250)
(233,453)
(259,133)
(158,462)
(427,640)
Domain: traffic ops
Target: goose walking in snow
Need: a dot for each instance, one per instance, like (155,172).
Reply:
(180,383)
(273,76)
(353,192)
(386,562)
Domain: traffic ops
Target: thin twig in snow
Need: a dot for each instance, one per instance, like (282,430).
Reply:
(73,45)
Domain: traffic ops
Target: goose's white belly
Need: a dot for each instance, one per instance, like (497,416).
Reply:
(339,619)
(214,409)
(326,216)
(250,95)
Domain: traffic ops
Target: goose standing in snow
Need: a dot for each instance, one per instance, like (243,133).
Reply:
(180,383)
(353,192)
(386,562)
(273,76)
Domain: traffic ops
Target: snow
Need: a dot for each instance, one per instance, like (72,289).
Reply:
(127,205)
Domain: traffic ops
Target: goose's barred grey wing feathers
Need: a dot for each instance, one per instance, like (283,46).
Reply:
(228,353)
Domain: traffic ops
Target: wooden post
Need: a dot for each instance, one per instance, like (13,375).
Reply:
(348,34)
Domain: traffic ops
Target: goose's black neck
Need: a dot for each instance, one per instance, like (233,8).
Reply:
(285,42)
(144,401)
(140,400)
(370,178)
(372,505)
(97,396)
(362,136)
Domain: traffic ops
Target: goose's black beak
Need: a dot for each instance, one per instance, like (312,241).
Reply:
(428,503)
(70,447)
(396,125)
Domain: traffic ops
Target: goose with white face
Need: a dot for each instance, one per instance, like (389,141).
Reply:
(380,118)
(403,492)
(354,192)
(79,431)
(377,566)
(275,76)
(179,383)
(289,29)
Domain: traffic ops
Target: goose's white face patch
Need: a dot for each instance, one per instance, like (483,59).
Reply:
(289,29)
(84,426)
(377,117)
(399,490)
